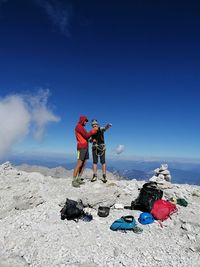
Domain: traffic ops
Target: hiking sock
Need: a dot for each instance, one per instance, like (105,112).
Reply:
(94,178)
(75,183)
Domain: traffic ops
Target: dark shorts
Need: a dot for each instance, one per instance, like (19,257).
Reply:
(96,157)
(83,154)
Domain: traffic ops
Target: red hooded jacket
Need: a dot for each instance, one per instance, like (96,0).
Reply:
(82,135)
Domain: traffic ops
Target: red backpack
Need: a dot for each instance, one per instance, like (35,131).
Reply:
(162,209)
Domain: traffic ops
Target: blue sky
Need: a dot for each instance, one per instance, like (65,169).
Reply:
(135,64)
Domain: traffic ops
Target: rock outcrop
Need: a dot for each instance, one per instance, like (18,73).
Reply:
(162,176)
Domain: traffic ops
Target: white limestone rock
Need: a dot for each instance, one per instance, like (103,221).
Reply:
(34,235)
(163,167)
(165,172)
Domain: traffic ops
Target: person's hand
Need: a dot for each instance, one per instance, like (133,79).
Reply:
(108,125)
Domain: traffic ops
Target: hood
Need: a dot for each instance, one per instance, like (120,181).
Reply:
(82,119)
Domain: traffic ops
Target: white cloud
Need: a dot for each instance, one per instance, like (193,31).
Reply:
(14,121)
(41,115)
(119,149)
(59,13)
(19,115)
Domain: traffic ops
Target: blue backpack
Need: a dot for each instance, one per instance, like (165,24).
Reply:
(146,218)
(124,223)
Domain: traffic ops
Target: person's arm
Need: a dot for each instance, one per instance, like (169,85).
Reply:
(108,126)
(84,133)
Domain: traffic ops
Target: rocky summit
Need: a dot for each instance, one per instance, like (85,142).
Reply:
(33,234)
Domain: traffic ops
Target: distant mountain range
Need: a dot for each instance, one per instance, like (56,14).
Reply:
(182,172)
(130,174)
(178,176)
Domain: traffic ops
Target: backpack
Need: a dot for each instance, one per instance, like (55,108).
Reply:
(147,196)
(72,210)
(162,209)
(124,223)
(146,218)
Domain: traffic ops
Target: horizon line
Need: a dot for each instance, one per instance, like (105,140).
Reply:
(72,157)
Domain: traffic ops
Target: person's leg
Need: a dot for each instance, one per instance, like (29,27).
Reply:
(94,177)
(79,179)
(94,166)
(77,168)
(75,182)
(103,163)
(104,173)
(82,168)
(104,169)
(84,156)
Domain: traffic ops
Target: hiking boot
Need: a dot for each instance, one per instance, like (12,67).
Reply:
(104,180)
(75,183)
(94,178)
(80,181)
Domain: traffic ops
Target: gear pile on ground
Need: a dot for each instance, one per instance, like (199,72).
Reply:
(32,233)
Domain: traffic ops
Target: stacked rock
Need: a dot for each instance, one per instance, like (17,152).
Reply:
(162,174)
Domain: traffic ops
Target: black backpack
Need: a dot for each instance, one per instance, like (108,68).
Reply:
(149,193)
(72,210)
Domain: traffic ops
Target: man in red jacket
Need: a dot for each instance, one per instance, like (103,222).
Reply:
(82,137)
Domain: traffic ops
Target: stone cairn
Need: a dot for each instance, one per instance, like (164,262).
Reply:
(161,175)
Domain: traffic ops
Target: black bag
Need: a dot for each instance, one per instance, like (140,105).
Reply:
(148,195)
(72,210)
